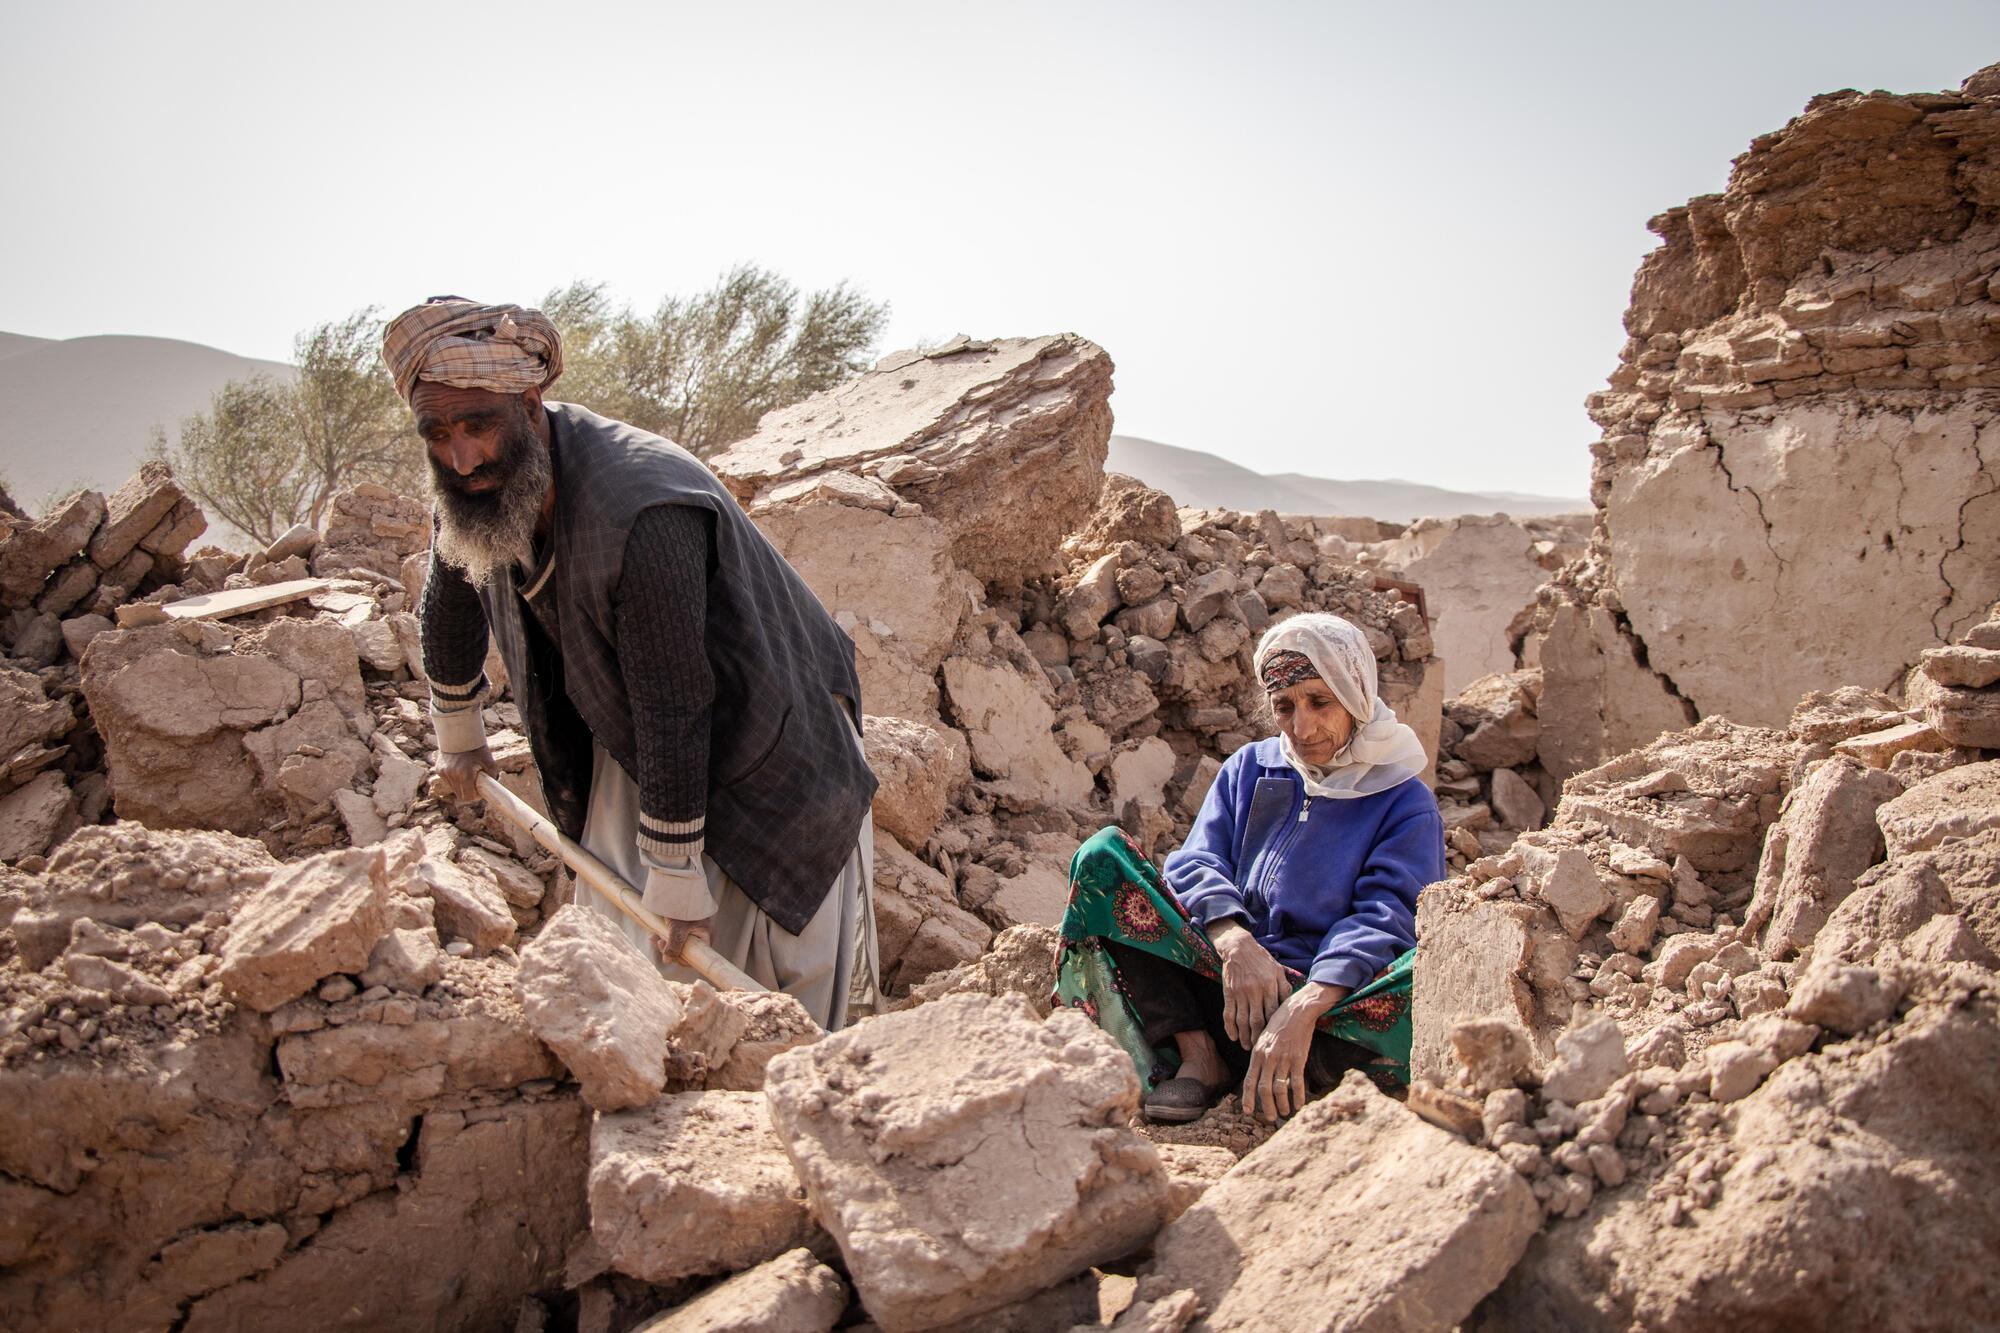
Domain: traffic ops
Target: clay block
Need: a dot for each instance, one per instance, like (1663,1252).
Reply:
(614,1021)
(793,1293)
(965,1155)
(312,919)
(694,1183)
(1293,1238)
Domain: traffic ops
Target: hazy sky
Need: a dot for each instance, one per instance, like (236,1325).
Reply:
(1355,241)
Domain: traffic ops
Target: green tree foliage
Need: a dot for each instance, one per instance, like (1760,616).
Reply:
(270,453)
(702,369)
(699,370)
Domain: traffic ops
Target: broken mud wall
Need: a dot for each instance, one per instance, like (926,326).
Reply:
(1798,484)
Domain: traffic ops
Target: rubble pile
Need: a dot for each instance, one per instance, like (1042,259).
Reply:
(1043,658)
(1749,981)
(1797,462)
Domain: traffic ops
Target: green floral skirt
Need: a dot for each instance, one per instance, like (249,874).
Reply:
(1115,894)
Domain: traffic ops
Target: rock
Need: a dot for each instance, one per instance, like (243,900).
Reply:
(1499,716)
(1707,793)
(1962,666)
(299,539)
(1022,962)
(1825,838)
(1636,925)
(1286,1240)
(1844,998)
(1127,511)
(1736,1069)
(520,886)
(773,1023)
(469,907)
(365,826)
(793,1293)
(939,425)
(28,717)
(398,781)
(915,765)
(1206,770)
(1473,961)
(1588,1061)
(1193,1168)
(1887,906)
(309,756)
(609,1015)
(1038,895)
(921,928)
(1496,1053)
(693,1183)
(78,632)
(376,644)
(1966,718)
(312,919)
(1878,748)
(914,1164)
(405,960)
(1515,801)
(1283,585)
(1829,717)
(1957,803)
(120,982)
(1092,599)
(30,552)
(1118,699)
(1011,729)
(1152,620)
(34,815)
(1573,891)
(1141,773)
(1206,597)
(134,510)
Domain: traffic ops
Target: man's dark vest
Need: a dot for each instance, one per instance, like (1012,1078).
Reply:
(787,783)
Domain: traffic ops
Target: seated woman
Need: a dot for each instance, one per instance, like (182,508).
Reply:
(1278,948)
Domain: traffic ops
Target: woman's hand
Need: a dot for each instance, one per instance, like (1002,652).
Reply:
(1276,1083)
(1253,982)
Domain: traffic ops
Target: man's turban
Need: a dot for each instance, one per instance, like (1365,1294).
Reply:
(451,340)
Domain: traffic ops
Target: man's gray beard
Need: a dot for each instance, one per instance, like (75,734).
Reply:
(482,535)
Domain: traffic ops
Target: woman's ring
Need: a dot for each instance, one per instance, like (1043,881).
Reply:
(1283,1080)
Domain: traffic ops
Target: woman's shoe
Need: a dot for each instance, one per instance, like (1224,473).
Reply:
(1178,1101)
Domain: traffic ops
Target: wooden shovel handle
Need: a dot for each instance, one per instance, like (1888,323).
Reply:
(698,956)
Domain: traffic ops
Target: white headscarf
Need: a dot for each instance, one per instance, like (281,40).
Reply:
(1382,752)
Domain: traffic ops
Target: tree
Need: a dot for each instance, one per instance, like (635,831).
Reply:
(702,369)
(270,453)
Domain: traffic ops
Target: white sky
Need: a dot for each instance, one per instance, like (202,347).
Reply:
(1349,240)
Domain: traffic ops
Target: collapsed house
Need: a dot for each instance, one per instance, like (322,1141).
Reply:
(1705,1013)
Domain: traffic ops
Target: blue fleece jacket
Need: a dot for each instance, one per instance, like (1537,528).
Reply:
(1329,887)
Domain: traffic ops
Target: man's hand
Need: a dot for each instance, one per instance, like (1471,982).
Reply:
(669,950)
(460,772)
(1276,1083)
(1253,982)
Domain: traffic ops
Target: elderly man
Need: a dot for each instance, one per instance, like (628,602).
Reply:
(693,709)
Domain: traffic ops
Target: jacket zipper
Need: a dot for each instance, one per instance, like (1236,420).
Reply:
(1277,862)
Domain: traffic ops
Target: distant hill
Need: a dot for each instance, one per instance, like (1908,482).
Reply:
(1205,481)
(80,411)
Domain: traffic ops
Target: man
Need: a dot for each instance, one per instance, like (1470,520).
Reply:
(692,708)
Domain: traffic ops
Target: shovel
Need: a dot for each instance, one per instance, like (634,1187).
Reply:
(697,956)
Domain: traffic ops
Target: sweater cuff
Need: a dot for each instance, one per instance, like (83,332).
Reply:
(1349,972)
(671,839)
(678,893)
(1218,906)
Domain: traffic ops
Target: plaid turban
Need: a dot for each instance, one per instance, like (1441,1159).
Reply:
(450,340)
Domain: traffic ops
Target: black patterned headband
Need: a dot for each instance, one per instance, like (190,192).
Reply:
(1285,668)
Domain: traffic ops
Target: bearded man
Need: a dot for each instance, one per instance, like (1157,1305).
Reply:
(693,709)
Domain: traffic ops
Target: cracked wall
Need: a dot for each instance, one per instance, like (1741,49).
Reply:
(1798,484)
